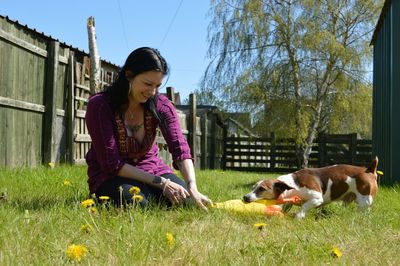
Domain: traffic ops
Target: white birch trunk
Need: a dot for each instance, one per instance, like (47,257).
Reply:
(94,57)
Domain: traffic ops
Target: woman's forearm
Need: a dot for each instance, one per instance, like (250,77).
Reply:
(186,168)
(132,172)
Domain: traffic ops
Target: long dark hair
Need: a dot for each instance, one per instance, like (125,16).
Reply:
(140,60)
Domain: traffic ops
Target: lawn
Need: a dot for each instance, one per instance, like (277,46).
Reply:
(43,216)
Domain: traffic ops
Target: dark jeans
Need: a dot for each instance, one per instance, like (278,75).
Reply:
(111,188)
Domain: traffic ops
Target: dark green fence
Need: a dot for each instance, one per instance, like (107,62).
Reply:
(279,155)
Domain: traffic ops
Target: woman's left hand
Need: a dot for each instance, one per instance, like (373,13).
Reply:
(201,200)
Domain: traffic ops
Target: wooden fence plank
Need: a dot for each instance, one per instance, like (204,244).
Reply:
(50,106)
(192,125)
(204,139)
(70,109)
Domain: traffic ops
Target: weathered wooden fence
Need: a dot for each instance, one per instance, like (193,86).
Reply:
(44,90)
(43,94)
(279,155)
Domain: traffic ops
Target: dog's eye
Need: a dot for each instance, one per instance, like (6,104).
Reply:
(261,189)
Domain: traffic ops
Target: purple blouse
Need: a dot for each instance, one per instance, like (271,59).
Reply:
(111,148)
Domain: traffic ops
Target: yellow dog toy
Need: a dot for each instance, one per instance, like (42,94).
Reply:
(260,207)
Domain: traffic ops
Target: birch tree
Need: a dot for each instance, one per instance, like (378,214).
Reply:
(297,55)
(94,57)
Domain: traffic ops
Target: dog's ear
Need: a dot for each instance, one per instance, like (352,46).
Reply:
(280,187)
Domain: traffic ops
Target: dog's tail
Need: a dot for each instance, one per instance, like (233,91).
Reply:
(374,165)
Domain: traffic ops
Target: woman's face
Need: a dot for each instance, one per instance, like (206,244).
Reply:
(145,85)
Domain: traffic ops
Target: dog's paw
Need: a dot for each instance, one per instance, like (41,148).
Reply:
(300,215)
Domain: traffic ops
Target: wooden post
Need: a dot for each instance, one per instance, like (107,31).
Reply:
(213,141)
(192,125)
(50,104)
(70,108)
(171,94)
(224,149)
(204,144)
(273,150)
(240,143)
(321,150)
(353,148)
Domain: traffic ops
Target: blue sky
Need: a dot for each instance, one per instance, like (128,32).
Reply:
(123,25)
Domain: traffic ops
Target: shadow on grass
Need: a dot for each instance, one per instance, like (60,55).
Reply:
(41,203)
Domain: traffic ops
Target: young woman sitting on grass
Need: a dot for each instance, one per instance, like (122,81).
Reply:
(122,122)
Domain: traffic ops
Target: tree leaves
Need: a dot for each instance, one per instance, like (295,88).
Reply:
(293,62)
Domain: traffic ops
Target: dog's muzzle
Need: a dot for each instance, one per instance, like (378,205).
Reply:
(247,198)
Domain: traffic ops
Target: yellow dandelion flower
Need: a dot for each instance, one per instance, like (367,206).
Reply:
(86,228)
(170,239)
(134,190)
(137,198)
(66,182)
(335,252)
(93,210)
(379,172)
(76,252)
(260,226)
(51,164)
(104,198)
(87,203)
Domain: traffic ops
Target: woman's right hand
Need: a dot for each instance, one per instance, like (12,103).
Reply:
(174,192)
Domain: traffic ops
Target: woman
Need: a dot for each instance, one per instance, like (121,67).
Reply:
(122,122)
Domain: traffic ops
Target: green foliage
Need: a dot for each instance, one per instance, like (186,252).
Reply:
(352,111)
(42,217)
(300,57)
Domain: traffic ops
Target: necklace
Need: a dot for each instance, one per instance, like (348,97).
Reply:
(136,127)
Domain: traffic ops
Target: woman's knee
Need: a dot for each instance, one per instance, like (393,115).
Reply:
(121,193)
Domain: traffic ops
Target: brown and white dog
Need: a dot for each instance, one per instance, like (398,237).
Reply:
(318,186)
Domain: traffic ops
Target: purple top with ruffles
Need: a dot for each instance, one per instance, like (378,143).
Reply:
(111,148)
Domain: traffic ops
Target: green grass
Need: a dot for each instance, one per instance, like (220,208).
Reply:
(42,217)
